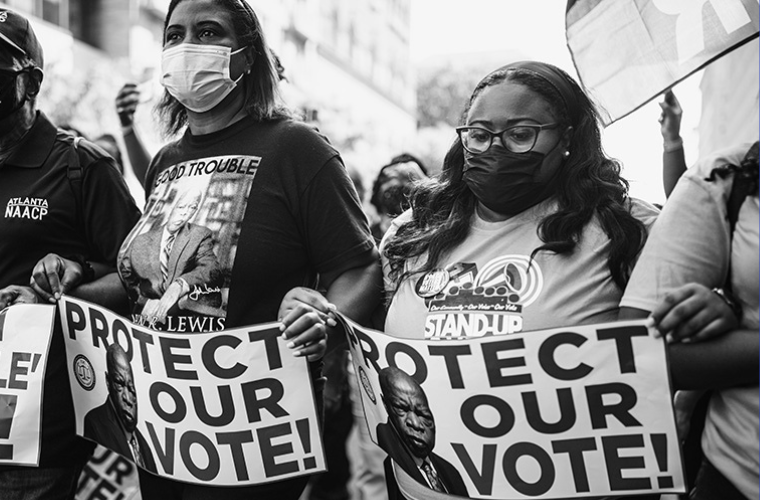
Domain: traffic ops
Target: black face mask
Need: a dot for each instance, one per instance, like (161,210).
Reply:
(9,104)
(506,182)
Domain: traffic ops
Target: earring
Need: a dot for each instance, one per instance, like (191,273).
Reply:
(566,153)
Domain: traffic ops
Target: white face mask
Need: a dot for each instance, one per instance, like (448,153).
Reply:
(198,76)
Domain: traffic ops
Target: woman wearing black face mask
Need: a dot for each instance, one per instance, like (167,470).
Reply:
(528,218)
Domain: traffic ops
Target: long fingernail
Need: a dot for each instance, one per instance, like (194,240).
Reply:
(290,345)
(298,354)
(670,338)
(650,322)
(332,322)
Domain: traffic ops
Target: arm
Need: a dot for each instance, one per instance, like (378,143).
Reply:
(126,104)
(725,361)
(307,315)
(54,275)
(673,159)
(356,293)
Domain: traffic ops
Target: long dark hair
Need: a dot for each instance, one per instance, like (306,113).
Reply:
(260,84)
(589,184)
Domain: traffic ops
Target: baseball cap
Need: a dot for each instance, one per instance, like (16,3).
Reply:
(17,38)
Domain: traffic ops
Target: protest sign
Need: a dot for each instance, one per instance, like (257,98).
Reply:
(226,408)
(108,476)
(630,51)
(581,411)
(25,333)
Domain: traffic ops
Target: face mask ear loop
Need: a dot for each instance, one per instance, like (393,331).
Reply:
(247,71)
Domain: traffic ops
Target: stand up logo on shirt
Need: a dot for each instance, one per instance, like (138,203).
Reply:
(481,302)
(26,208)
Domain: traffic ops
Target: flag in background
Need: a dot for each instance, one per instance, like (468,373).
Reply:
(628,52)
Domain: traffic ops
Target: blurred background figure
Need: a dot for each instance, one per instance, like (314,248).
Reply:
(108,143)
(673,159)
(390,192)
(126,104)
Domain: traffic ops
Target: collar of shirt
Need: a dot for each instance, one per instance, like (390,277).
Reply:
(36,145)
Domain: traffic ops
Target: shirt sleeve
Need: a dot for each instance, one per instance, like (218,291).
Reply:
(337,231)
(109,210)
(689,242)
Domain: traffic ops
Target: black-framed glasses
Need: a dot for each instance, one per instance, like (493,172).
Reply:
(517,139)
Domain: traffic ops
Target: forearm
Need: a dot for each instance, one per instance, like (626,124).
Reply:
(137,154)
(355,293)
(673,166)
(726,361)
(106,291)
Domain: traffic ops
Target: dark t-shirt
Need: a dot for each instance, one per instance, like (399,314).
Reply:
(280,208)
(41,216)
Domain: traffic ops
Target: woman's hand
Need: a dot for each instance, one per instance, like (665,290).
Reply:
(53,276)
(15,294)
(670,118)
(305,315)
(692,312)
(126,103)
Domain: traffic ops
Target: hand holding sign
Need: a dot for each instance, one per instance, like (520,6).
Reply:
(304,313)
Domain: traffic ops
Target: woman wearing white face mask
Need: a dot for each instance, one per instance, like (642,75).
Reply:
(272,209)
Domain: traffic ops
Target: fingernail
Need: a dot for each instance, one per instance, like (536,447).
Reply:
(282,328)
(650,322)
(670,338)
(332,307)
(687,340)
(291,345)
(332,322)
(298,354)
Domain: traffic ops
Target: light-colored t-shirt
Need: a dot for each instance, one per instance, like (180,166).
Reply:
(489,285)
(692,242)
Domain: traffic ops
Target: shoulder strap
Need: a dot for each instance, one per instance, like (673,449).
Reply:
(741,186)
(74,172)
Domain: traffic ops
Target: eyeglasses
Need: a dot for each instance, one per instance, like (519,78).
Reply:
(517,139)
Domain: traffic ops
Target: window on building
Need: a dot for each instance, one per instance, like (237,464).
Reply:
(52,11)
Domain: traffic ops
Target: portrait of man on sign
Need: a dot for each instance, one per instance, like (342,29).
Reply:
(114,423)
(409,436)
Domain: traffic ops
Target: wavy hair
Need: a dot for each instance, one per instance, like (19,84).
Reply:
(260,84)
(589,185)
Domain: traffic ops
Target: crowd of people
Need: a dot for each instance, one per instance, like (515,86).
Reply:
(525,190)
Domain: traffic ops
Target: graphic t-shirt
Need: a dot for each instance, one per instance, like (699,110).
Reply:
(489,285)
(692,242)
(235,219)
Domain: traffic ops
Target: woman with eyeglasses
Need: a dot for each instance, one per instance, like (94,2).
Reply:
(530,223)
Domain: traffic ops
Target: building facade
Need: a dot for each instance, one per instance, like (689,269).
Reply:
(346,61)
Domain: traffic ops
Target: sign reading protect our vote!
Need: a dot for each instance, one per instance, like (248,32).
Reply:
(581,411)
(226,408)
(25,333)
